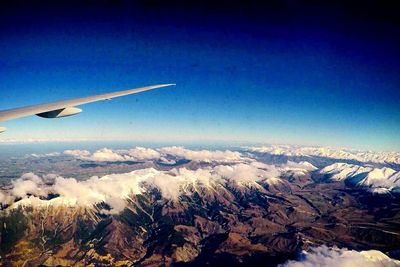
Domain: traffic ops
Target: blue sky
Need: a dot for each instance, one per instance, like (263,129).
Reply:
(319,80)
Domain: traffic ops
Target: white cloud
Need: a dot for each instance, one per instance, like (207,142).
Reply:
(106,154)
(167,155)
(324,256)
(170,186)
(142,153)
(52,154)
(29,183)
(203,155)
(114,189)
(77,153)
(229,167)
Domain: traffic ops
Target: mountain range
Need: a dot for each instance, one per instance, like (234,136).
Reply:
(190,208)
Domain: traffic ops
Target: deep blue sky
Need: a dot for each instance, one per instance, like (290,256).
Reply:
(279,73)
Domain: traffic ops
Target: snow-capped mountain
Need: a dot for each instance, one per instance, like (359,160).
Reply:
(378,180)
(212,216)
(381,157)
(175,206)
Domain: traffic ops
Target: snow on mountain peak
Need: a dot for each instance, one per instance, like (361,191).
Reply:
(379,180)
(342,171)
(115,189)
(381,157)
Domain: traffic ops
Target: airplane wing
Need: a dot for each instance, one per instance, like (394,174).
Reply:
(67,107)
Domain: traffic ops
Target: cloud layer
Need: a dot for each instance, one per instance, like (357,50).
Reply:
(223,167)
(333,256)
(114,189)
(167,155)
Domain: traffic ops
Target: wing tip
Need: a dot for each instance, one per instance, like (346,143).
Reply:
(161,85)
(166,84)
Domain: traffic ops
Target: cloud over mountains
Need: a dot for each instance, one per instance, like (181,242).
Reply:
(115,189)
(165,154)
(246,204)
(227,167)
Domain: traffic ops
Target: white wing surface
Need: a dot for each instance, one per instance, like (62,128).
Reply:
(37,109)
(67,107)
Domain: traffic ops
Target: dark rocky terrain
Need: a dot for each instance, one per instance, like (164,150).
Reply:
(256,224)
